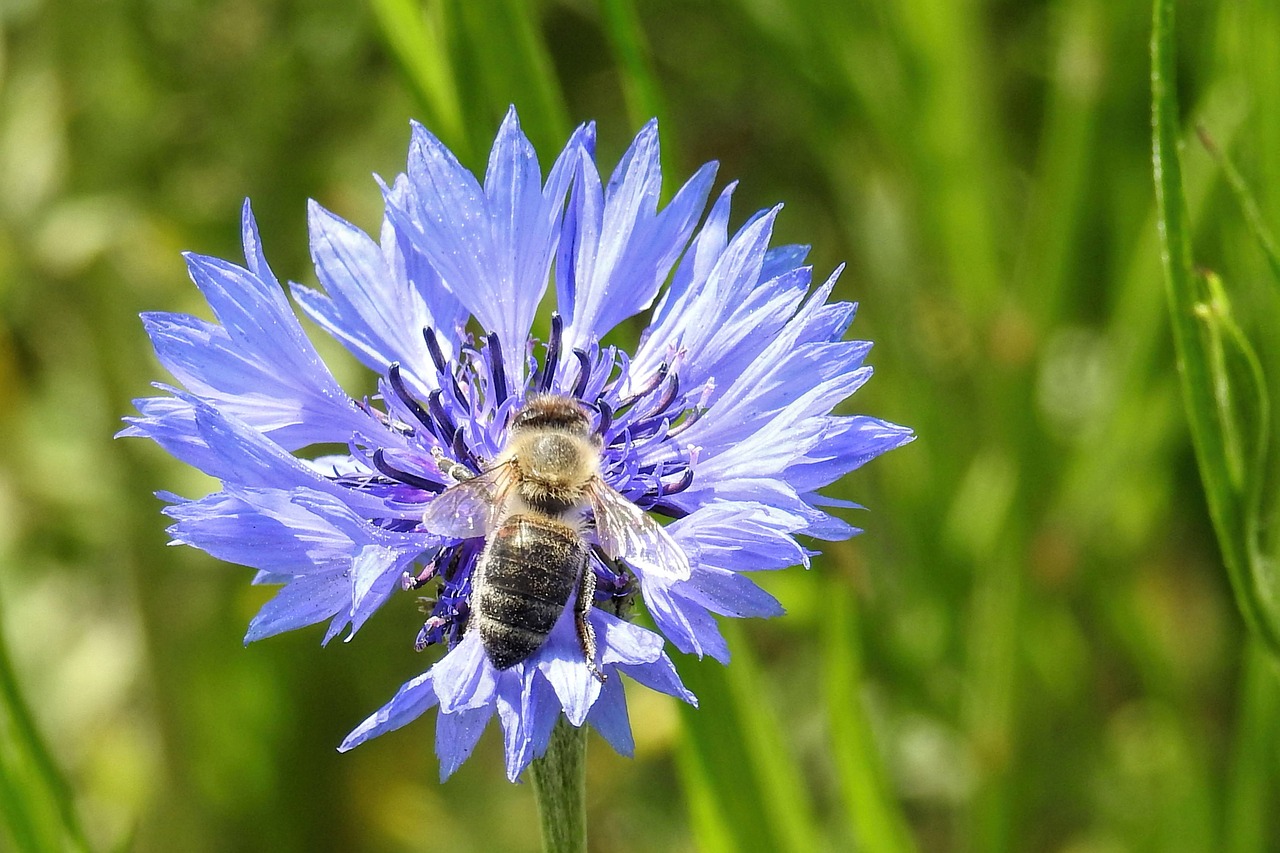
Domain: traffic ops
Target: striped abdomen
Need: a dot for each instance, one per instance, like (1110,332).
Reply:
(530,566)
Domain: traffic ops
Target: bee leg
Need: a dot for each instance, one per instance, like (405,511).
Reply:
(459,472)
(586,632)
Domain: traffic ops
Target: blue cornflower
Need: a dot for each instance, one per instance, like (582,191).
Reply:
(720,420)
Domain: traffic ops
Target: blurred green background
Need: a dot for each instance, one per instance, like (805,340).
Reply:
(1033,647)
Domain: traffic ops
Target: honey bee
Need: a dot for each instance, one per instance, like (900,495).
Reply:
(536,505)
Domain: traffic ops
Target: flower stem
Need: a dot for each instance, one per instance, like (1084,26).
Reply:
(560,785)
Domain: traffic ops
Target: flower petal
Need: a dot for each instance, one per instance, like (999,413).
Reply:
(608,716)
(464,678)
(623,248)
(560,661)
(457,735)
(368,305)
(305,600)
(411,701)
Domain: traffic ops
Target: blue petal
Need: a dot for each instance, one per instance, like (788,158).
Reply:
(528,710)
(690,628)
(294,408)
(741,535)
(410,265)
(492,246)
(544,714)
(306,600)
(259,324)
(523,241)
(465,679)
(729,594)
(259,528)
(561,663)
(457,735)
(411,701)
(376,313)
(375,574)
(171,423)
(728,310)
(308,541)
(608,716)
(624,643)
(658,674)
(623,247)
(255,260)
(782,259)
(240,456)
(695,268)
(847,443)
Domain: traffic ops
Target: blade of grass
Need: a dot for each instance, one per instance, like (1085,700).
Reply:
(640,87)
(874,818)
(715,772)
(502,54)
(420,50)
(1248,206)
(1225,397)
(710,821)
(754,780)
(1044,268)
(1249,804)
(785,796)
(37,805)
(955,146)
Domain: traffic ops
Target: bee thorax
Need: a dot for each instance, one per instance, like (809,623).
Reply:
(554,468)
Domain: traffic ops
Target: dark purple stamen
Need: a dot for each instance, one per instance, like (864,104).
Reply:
(606,418)
(396,525)
(650,384)
(668,397)
(499,372)
(433,347)
(450,572)
(416,480)
(669,510)
(460,450)
(584,373)
(402,391)
(686,480)
(433,626)
(442,366)
(445,427)
(694,415)
(449,608)
(547,373)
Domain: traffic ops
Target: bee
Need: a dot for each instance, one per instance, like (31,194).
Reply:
(537,506)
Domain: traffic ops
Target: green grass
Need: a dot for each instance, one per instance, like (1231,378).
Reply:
(1055,631)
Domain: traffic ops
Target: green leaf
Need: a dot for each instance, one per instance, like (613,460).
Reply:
(1248,206)
(875,822)
(1222,383)
(37,809)
(502,57)
(640,86)
(419,48)
(743,782)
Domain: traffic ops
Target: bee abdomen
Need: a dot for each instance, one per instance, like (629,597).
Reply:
(530,567)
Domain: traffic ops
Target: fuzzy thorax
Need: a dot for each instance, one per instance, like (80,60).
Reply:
(553,468)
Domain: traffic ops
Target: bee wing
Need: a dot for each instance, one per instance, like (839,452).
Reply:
(626,532)
(470,508)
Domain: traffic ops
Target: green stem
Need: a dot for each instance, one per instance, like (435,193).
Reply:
(560,785)
(1249,814)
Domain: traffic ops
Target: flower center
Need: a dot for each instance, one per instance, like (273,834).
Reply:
(471,417)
